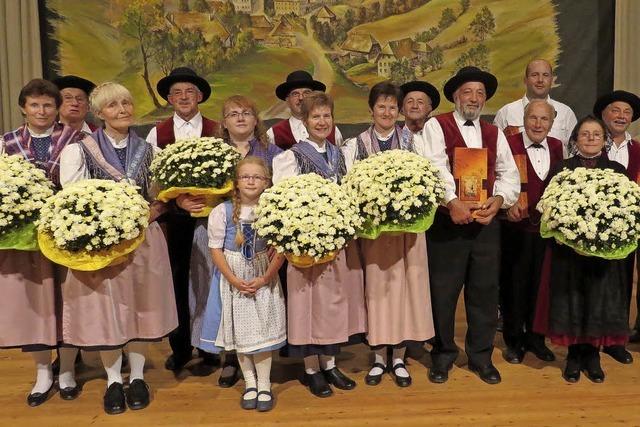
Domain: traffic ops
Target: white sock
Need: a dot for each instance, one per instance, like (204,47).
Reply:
(311,365)
(262,362)
(327,362)
(398,357)
(249,374)
(379,356)
(67,377)
(228,370)
(112,362)
(44,374)
(136,350)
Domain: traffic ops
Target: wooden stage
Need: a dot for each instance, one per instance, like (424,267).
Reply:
(531,394)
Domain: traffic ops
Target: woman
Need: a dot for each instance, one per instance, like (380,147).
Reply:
(583,300)
(27,306)
(241,128)
(131,303)
(325,303)
(395,265)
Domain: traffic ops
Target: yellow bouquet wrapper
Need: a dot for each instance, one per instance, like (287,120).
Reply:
(85,260)
(213,196)
(306,261)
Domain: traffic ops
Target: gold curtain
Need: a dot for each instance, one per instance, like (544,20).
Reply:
(20,56)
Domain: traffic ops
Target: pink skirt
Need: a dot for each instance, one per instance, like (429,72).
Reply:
(326,302)
(132,301)
(397,289)
(28,303)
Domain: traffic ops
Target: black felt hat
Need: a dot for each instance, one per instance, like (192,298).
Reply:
(183,75)
(425,87)
(617,95)
(298,79)
(471,74)
(74,81)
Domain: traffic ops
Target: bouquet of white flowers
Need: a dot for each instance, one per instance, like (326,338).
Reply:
(396,191)
(307,217)
(23,191)
(595,212)
(196,166)
(92,224)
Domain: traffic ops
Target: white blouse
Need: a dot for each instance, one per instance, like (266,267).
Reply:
(217,223)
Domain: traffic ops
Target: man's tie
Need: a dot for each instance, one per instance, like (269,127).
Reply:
(534,145)
(468,123)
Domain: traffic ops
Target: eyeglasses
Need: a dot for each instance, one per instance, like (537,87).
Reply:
(235,115)
(588,135)
(248,178)
(299,93)
(188,92)
(79,99)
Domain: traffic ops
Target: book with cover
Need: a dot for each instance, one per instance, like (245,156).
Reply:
(521,163)
(470,173)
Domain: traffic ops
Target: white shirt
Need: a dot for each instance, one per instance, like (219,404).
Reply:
(181,129)
(300,133)
(86,128)
(285,164)
(217,223)
(512,114)
(620,153)
(538,157)
(430,144)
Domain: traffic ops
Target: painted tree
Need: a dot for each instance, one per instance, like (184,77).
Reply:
(350,18)
(464,6)
(447,18)
(402,71)
(477,56)
(269,8)
(201,6)
(433,60)
(142,20)
(183,6)
(483,24)
(375,12)
(388,9)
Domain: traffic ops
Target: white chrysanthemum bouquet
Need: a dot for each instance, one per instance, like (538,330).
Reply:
(396,191)
(23,191)
(596,212)
(92,224)
(307,217)
(197,166)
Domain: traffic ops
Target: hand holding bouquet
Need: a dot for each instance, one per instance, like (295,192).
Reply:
(396,191)
(196,166)
(23,191)
(307,217)
(595,212)
(92,224)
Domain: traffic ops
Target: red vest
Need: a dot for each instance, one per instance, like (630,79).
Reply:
(534,187)
(453,138)
(633,168)
(283,136)
(166,136)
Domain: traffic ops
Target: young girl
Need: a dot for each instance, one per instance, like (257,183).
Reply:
(245,310)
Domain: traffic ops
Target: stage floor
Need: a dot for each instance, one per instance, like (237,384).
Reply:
(533,393)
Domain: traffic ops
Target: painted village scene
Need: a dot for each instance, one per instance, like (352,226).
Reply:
(249,46)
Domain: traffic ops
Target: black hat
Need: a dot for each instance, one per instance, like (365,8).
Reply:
(617,95)
(425,87)
(74,81)
(298,79)
(471,74)
(183,75)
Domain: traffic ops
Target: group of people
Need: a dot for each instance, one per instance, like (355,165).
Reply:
(213,284)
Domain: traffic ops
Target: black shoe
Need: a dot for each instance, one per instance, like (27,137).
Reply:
(209,359)
(249,403)
(488,373)
(591,365)
(114,399)
(401,381)
(439,374)
(541,351)
(318,384)
(138,395)
(175,362)
(571,372)
(635,335)
(37,399)
(375,379)
(619,353)
(265,405)
(513,355)
(339,380)
(70,393)
(231,380)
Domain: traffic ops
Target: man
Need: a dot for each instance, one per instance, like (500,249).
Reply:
(618,110)
(523,248)
(75,102)
(538,78)
(184,90)
(287,132)
(420,99)
(464,241)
